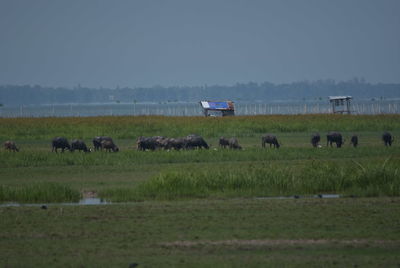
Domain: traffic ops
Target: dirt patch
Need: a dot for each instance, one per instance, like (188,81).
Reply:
(89,194)
(279,242)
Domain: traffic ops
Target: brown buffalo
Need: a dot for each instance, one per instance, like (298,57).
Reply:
(11,146)
(109,146)
(234,144)
(223,142)
(97,141)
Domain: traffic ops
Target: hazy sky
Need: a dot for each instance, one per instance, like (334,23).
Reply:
(196,42)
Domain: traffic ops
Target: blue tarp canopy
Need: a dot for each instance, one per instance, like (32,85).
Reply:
(217,105)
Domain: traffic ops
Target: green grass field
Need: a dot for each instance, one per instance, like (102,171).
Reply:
(349,232)
(202,207)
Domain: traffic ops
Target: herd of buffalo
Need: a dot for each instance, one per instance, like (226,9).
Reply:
(189,142)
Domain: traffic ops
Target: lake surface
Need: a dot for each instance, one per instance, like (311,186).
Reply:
(194,109)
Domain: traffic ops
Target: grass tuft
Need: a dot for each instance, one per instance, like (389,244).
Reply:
(39,192)
(317,177)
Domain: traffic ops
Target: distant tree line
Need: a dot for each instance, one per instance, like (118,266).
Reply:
(305,90)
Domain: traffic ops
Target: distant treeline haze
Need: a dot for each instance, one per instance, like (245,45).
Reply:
(317,90)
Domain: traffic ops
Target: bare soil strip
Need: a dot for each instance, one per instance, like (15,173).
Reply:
(280,242)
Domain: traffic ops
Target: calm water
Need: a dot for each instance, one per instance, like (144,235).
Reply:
(82,202)
(193,109)
(99,201)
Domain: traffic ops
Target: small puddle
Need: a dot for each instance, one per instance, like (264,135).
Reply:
(93,201)
(327,196)
(298,196)
(83,202)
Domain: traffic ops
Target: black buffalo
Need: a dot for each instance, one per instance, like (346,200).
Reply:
(109,146)
(387,138)
(223,142)
(97,142)
(174,143)
(354,140)
(147,143)
(334,137)
(11,146)
(159,141)
(79,145)
(270,139)
(315,139)
(195,141)
(60,142)
(234,144)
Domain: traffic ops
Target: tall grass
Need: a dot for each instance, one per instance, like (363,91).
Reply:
(38,193)
(315,177)
(128,157)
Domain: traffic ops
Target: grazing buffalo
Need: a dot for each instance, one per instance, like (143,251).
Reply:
(97,141)
(195,141)
(223,142)
(146,143)
(11,146)
(271,139)
(109,146)
(315,139)
(387,138)
(159,141)
(234,144)
(334,137)
(60,142)
(354,140)
(174,143)
(80,146)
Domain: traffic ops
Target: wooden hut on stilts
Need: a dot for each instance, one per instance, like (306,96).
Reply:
(341,104)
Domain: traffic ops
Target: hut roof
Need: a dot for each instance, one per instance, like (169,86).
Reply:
(340,97)
(218,105)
